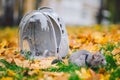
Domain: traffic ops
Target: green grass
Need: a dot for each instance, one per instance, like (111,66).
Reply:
(20,72)
(111,62)
(108,47)
(74,76)
(71,68)
(112,68)
(64,68)
(111,65)
(115,74)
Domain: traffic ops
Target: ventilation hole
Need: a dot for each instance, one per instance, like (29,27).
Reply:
(60,25)
(37,52)
(62,31)
(57,50)
(58,19)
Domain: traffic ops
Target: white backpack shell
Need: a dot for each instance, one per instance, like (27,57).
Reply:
(45,33)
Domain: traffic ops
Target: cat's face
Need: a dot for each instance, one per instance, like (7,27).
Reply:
(98,59)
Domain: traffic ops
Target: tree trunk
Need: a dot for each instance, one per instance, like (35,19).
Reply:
(8,6)
(100,13)
(20,10)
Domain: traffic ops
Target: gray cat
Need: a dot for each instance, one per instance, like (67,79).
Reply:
(84,57)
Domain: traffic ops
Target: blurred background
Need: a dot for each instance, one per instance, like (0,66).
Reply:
(73,12)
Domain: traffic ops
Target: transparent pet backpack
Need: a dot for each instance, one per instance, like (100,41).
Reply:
(42,34)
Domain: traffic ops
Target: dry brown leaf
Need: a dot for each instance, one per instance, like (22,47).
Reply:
(46,62)
(35,66)
(83,74)
(116,51)
(33,72)
(57,75)
(18,62)
(26,63)
(2,65)
(11,72)
(7,78)
(10,60)
(94,76)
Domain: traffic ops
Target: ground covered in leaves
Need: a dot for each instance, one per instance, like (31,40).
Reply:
(15,67)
